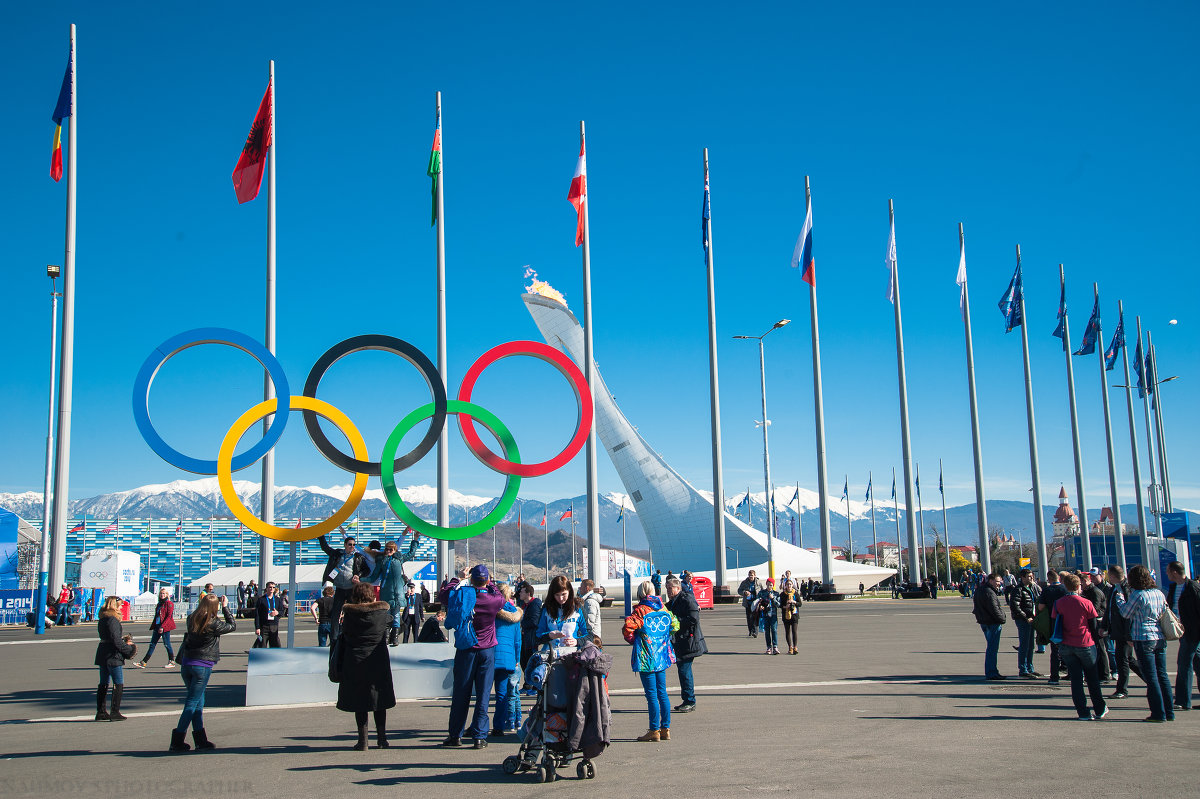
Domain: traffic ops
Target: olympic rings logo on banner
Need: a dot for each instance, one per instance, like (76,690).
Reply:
(386,468)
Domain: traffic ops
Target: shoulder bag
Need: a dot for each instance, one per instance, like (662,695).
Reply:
(337,655)
(1168,622)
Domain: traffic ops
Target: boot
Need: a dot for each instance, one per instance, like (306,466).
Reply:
(101,696)
(664,735)
(201,739)
(651,736)
(381,739)
(394,636)
(114,714)
(177,742)
(361,746)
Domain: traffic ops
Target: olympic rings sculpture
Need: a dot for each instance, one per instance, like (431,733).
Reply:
(386,468)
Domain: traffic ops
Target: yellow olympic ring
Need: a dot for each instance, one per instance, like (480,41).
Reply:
(256,414)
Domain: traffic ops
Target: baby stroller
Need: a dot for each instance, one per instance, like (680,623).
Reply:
(570,716)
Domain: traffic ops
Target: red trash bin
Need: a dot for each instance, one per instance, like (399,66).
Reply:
(125,615)
(703,589)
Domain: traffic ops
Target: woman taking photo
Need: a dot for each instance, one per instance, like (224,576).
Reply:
(199,653)
(161,627)
(1145,604)
(366,684)
(562,625)
(649,628)
(111,653)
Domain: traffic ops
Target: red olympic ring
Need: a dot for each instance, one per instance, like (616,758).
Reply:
(567,368)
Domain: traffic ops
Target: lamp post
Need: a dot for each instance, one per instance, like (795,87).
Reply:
(762,366)
(737,563)
(52,272)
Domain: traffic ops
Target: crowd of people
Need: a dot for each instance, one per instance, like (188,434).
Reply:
(1099,628)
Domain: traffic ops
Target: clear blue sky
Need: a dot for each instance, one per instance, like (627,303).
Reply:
(1069,130)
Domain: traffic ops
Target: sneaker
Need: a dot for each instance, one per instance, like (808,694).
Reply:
(1038,675)
(1119,695)
(1102,713)
(139,665)
(1029,675)
(1156,721)
(995,678)
(481,743)
(170,665)
(1181,707)
(1052,682)
(1088,717)
(451,741)
(686,707)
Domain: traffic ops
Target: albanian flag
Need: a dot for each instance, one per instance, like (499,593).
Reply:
(247,175)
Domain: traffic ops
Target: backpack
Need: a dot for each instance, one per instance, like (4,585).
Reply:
(460,616)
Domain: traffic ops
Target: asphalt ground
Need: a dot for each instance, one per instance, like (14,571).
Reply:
(884,699)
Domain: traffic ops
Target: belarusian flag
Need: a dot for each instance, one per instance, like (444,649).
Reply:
(578,193)
(435,166)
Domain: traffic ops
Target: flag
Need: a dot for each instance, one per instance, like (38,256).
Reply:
(567,514)
(435,166)
(1150,385)
(867,497)
(78,528)
(248,174)
(796,498)
(110,528)
(64,108)
(961,279)
(179,527)
(621,515)
(941,486)
(1114,348)
(1139,367)
(918,484)
(1092,332)
(300,521)
(543,524)
(1060,331)
(577,196)
(893,496)
(802,256)
(705,215)
(846,489)
(744,503)
(890,261)
(1010,303)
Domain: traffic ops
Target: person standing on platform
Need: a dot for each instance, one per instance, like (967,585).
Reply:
(198,656)
(748,590)
(1184,599)
(366,684)
(322,609)
(344,568)
(412,613)
(688,641)
(989,612)
(389,576)
(161,627)
(267,613)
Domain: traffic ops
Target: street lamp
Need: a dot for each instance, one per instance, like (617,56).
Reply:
(737,562)
(53,272)
(766,452)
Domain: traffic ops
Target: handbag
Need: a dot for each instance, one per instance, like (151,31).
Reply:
(1056,635)
(1168,622)
(337,654)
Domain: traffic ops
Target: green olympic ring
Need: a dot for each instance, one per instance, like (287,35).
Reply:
(387,472)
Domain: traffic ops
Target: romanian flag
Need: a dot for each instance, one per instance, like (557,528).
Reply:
(435,166)
(66,104)
(248,174)
(577,196)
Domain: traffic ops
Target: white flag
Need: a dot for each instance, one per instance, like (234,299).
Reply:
(961,280)
(890,262)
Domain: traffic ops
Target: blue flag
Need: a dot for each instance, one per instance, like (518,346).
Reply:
(744,503)
(893,496)
(621,515)
(867,498)
(846,489)
(1010,303)
(1139,367)
(918,484)
(1114,348)
(796,497)
(1060,331)
(941,486)
(1091,333)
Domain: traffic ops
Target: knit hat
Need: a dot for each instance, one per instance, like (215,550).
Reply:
(479,575)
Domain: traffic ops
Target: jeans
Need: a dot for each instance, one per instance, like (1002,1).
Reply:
(1081,665)
(1024,647)
(195,680)
(64,614)
(654,683)
(1186,662)
(323,634)
(508,699)
(991,632)
(771,628)
(474,671)
(117,673)
(166,639)
(1056,663)
(1152,657)
(687,683)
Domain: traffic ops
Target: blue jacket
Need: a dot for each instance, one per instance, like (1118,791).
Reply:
(389,573)
(508,641)
(548,624)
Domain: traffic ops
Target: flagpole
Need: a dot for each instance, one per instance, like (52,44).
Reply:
(906,446)
(1084,530)
(1158,416)
(267,492)
(520,541)
(874,537)
(1153,494)
(924,563)
(66,353)
(593,500)
(819,420)
(443,448)
(849,526)
(1137,468)
(714,399)
(945,522)
(985,553)
(1118,533)
(1034,470)
(43,586)
(545,508)
(799,517)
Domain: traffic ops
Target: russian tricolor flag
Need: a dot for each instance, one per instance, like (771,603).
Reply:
(802,256)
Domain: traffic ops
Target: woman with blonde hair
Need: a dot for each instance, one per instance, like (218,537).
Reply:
(198,654)
(111,653)
(650,628)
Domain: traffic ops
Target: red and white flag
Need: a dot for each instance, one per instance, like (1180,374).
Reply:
(300,521)
(569,513)
(543,518)
(578,193)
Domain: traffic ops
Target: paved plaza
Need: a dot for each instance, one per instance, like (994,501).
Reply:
(884,699)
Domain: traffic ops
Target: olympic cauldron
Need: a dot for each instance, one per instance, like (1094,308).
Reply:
(388,465)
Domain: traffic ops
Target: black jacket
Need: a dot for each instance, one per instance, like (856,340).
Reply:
(689,639)
(366,665)
(361,566)
(264,607)
(1022,601)
(989,609)
(1096,595)
(1114,622)
(112,651)
(431,632)
(206,645)
(1189,607)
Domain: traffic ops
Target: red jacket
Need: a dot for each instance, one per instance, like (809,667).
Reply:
(167,609)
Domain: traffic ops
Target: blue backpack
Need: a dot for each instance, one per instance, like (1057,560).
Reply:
(460,616)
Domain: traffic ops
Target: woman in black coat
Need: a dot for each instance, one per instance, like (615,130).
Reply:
(688,640)
(366,683)
(111,653)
